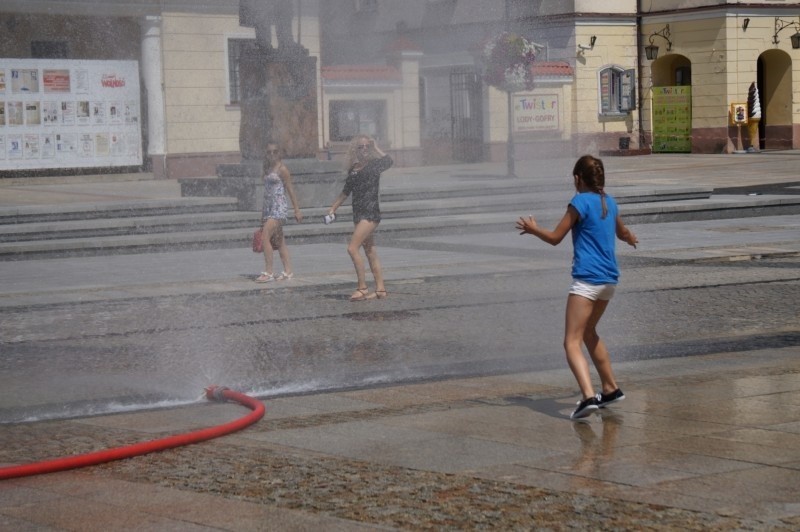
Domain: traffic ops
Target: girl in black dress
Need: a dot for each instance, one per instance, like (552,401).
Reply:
(365,162)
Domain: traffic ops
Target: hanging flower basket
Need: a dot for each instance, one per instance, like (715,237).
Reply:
(507,60)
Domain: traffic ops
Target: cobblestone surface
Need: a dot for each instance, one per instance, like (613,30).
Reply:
(360,491)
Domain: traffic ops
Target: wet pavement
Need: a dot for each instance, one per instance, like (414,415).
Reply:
(445,406)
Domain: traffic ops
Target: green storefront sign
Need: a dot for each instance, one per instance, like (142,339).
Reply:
(672,119)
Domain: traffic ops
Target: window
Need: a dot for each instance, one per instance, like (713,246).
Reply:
(367,5)
(235,47)
(617,90)
(49,50)
(683,75)
(350,118)
(423,100)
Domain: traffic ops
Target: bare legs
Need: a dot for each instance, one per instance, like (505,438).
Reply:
(272,230)
(582,317)
(363,237)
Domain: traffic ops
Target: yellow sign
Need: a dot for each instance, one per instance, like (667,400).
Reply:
(672,119)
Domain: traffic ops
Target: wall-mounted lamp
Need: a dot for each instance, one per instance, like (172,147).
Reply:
(781,25)
(745,23)
(592,40)
(651,50)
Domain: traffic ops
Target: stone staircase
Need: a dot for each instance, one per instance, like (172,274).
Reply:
(416,208)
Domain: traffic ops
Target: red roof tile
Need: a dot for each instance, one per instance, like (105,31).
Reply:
(551,69)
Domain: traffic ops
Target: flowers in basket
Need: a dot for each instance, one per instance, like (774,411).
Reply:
(507,59)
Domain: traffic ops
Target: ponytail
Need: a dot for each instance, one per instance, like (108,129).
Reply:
(603,202)
(591,172)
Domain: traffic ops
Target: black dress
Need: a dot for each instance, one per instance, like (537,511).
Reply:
(364,184)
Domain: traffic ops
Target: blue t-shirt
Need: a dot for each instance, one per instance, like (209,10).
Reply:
(594,259)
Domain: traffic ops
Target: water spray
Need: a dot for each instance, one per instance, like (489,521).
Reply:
(213,393)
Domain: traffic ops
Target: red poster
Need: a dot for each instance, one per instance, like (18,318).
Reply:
(55,80)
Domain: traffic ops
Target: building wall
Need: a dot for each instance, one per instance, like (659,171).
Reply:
(102,38)
(195,79)
(651,6)
(615,46)
(724,60)
(202,127)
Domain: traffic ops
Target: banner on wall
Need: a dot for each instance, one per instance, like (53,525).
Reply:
(672,119)
(58,113)
(536,112)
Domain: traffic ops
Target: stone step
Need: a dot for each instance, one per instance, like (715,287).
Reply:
(396,202)
(96,224)
(716,207)
(114,209)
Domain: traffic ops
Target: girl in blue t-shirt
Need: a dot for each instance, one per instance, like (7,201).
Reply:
(594,220)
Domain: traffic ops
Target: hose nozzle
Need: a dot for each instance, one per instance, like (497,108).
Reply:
(215,393)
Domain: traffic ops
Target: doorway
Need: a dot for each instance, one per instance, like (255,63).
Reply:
(466,114)
(774,80)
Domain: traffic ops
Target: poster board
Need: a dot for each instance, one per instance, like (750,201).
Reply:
(536,112)
(59,113)
(672,119)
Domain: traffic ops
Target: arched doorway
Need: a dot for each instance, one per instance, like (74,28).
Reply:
(672,70)
(774,80)
(672,104)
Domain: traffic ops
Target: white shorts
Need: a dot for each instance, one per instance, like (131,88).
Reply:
(603,292)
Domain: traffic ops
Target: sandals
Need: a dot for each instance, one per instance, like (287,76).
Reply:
(363,294)
(269,277)
(381,294)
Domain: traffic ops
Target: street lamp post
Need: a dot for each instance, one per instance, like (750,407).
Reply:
(510,135)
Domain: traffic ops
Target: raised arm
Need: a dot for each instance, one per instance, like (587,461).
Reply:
(530,227)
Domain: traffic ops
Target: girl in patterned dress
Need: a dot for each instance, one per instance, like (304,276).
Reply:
(277,185)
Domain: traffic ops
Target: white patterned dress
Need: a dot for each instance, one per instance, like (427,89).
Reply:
(275,205)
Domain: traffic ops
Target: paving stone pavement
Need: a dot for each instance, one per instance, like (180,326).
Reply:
(701,442)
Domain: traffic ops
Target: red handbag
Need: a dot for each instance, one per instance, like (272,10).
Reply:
(258,240)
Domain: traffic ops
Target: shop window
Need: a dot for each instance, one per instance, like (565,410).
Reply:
(359,117)
(617,90)
(235,47)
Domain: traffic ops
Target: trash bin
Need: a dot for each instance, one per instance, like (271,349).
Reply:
(624,143)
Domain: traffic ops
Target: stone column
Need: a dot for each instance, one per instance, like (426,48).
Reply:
(153,78)
(409,68)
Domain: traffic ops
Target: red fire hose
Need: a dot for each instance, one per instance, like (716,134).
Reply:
(216,393)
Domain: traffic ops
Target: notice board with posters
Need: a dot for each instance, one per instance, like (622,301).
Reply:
(672,119)
(58,113)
